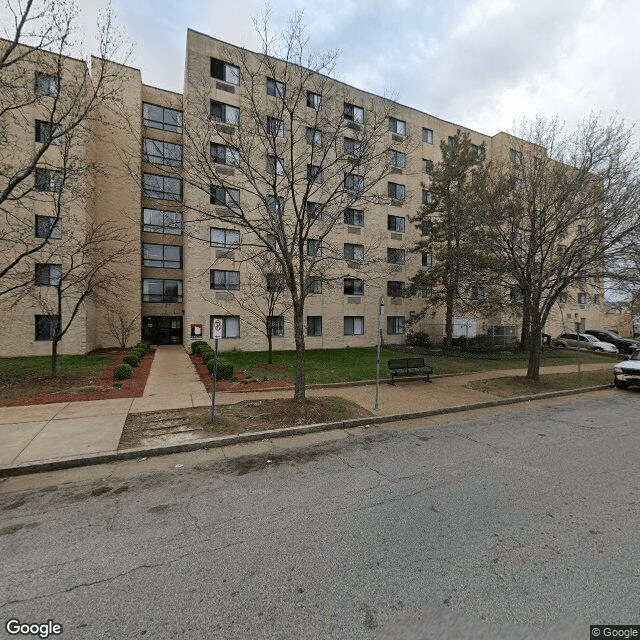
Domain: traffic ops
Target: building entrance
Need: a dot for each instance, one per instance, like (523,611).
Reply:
(162,329)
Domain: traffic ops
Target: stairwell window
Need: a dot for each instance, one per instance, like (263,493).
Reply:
(221,112)
(397,126)
(225,71)
(353,113)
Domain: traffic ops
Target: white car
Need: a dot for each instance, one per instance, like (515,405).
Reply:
(628,371)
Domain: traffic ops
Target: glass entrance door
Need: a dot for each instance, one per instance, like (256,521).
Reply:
(162,329)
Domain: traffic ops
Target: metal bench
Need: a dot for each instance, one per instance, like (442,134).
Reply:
(414,367)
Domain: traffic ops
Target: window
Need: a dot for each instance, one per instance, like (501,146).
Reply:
(353,325)
(582,298)
(395,289)
(222,154)
(426,291)
(275,206)
(427,197)
(161,290)
(353,182)
(47,327)
(314,210)
(314,100)
(314,325)
(275,165)
(395,223)
(562,298)
(354,252)
(224,280)
(314,137)
(48,275)
(427,135)
(596,298)
(47,85)
(275,283)
(395,256)
(156,221)
(161,118)
(427,259)
(48,227)
(314,248)
(397,159)
(477,293)
(353,287)
(159,152)
(225,197)
(225,71)
(582,230)
(477,151)
(353,147)
(275,326)
(354,217)
(451,141)
(48,180)
(226,113)
(395,325)
(230,326)
(273,244)
(224,238)
(48,133)
(516,157)
(161,187)
(427,166)
(275,127)
(515,294)
(314,173)
(353,113)
(314,284)
(275,88)
(395,190)
(397,126)
(163,256)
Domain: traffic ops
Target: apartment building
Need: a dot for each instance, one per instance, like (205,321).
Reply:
(183,178)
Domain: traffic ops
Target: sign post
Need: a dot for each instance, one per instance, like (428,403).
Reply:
(380,314)
(578,327)
(216,332)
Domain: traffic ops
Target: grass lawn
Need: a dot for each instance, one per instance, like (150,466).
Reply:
(359,363)
(27,376)
(517,386)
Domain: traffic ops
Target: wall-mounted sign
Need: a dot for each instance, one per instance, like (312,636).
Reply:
(196,332)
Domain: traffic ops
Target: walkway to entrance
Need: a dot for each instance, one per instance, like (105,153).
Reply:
(173,382)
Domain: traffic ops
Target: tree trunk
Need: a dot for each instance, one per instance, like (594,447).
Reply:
(448,327)
(54,358)
(270,343)
(535,350)
(298,328)
(525,334)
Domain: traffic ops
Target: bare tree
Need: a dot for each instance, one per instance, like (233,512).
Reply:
(264,299)
(121,323)
(305,152)
(43,88)
(559,213)
(85,269)
(453,256)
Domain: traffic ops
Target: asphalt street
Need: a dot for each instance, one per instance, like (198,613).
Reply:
(521,524)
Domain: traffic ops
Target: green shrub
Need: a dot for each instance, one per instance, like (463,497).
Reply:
(122,372)
(418,339)
(137,352)
(197,345)
(131,359)
(206,353)
(225,368)
(142,346)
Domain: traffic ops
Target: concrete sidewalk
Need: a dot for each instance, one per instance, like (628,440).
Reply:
(81,432)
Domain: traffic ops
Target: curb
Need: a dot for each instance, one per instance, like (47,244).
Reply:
(70,462)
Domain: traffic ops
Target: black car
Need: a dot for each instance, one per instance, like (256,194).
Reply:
(625,345)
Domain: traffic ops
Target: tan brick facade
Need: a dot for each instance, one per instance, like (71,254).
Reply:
(166,282)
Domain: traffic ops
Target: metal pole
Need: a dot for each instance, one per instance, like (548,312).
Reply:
(578,348)
(380,312)
(215,381)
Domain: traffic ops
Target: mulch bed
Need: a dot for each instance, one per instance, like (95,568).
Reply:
(241,384)
(132,388)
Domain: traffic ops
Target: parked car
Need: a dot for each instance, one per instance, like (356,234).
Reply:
(625,345)
(628,371)
(591,343)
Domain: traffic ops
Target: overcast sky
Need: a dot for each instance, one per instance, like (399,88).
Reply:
(483,64)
